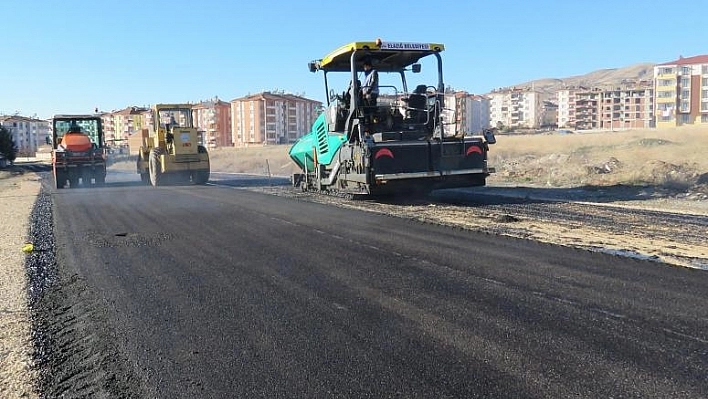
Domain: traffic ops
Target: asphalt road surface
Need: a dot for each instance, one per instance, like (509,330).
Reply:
(221,292)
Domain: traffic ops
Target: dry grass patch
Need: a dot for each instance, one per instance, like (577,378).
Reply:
(670,158)
(261,160)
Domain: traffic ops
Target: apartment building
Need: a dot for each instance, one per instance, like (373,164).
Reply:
(586,109)
(27,133)
(517,108)
(271,118)
(549,114)
(477,110)
(213,119)
(627,107)
(119,125)
(681,88)
(471,112)
(499,114)
(566,108)
(109,127)
(630,106)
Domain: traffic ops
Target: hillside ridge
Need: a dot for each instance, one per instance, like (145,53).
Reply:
(598,78)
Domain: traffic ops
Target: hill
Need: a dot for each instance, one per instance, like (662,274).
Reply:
(599,78)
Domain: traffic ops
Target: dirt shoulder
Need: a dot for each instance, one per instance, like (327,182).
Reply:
(614,221)
(18,192)
(631,197)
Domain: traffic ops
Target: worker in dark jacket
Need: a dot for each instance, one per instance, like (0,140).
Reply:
(370,89)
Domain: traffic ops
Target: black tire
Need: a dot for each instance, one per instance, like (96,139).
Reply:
(59,179)
(201,176)
(156,176)
(100,179)
(144,176)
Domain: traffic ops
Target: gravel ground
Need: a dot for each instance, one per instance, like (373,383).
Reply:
(18,193)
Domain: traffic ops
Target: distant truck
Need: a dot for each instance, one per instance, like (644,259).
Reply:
(78,151)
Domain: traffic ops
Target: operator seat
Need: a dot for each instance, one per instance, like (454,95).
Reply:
(417,105)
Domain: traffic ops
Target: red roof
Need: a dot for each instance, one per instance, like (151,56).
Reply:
(698,59)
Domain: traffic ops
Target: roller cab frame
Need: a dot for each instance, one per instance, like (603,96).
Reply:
(170,151)
(78,151)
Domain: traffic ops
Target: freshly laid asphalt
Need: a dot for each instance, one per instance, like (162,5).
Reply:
(220,292)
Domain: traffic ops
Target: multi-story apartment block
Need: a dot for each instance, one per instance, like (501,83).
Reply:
(566,100)
(566,108)
(499,115)
(549,114)
(516,108)
(477,111)
(628,107)
(681,89)
(452,113)
(610,108)
(271,118)
(109,127)
(213,119)
(586,110)
(27,133)
(471,111)
(119,125)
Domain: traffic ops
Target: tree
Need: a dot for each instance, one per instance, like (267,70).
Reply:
(7,145)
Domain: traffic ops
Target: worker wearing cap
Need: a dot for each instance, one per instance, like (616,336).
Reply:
(370,89)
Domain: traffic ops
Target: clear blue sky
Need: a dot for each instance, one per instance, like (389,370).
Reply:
(72,56)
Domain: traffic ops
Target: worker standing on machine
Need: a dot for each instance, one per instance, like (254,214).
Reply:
(370,90)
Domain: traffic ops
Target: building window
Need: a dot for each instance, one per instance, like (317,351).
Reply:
(685,82)
(666,71)
(704,118)
(685,106)
(683,118)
